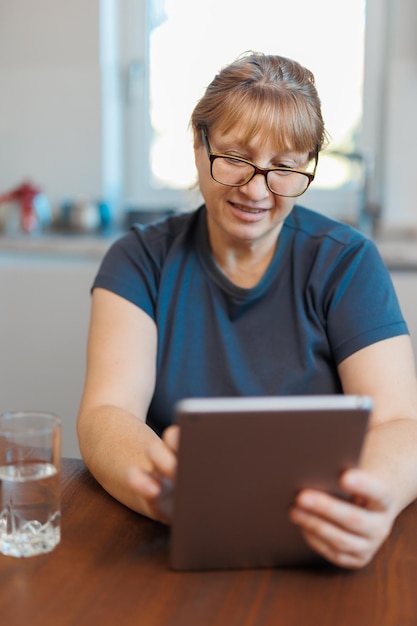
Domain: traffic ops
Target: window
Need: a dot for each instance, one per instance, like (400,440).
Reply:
(172,49)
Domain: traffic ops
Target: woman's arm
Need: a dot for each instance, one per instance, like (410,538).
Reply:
(386,372)
(113,436)
(350,533)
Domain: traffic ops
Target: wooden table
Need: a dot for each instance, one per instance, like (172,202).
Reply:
(111,568)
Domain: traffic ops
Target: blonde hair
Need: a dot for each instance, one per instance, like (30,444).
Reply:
(267,95)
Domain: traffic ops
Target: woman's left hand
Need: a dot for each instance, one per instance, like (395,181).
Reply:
(347,533)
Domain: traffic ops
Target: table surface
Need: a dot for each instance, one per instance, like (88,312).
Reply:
(112,568)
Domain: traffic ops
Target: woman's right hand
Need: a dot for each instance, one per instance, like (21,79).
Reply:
(156,486)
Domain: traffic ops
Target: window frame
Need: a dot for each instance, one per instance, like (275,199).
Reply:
(139,194)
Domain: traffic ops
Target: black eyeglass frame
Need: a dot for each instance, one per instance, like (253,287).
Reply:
(257,170)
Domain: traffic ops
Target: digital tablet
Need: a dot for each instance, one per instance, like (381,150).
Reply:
(241,462)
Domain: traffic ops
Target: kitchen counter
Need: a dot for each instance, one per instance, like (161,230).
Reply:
(91,246)
(398,252)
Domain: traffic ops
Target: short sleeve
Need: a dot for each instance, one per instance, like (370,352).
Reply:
(131,272)
(361,304)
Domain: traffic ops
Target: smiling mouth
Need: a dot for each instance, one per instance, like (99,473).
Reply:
(246,210)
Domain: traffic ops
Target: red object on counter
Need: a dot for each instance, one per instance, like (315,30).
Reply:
(24,195)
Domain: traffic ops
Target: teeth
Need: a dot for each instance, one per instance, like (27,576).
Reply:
(250,210)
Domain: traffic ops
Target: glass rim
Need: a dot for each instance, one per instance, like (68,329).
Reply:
(12,422)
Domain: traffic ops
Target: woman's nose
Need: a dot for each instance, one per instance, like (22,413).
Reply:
(256,188)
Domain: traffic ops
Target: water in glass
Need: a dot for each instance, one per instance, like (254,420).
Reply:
(29,508)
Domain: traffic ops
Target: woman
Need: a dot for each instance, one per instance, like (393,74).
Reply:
(251,294)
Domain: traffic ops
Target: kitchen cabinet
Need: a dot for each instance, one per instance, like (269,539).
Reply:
(44,315)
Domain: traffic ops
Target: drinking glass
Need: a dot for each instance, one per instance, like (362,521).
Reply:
(30,460)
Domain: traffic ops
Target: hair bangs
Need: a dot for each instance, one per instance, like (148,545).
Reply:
(268,114)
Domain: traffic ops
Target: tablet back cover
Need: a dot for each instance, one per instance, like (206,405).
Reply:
(241,463)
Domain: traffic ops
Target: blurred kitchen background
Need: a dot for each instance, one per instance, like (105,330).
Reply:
(95,99)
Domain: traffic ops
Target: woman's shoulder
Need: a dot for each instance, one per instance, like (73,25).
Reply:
(133,265)
(166,230)
(155,239)
(317,226)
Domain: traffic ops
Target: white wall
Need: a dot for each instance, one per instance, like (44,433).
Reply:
(400,180)
(50,104)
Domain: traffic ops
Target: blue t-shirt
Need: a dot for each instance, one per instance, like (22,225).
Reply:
(325,295)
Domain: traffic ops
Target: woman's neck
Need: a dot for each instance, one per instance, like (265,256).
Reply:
(244,263)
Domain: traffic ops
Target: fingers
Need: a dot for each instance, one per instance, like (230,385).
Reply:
(143,483)
(163,463)
(171,437)
(162,454)
(155,485)
(354,556)
(342,545)
(366,490)
(153,492)
(347,533)
(339,513)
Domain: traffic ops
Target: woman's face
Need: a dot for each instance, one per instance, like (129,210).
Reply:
(250,214)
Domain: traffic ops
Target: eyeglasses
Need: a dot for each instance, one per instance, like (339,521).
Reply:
(235,171)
